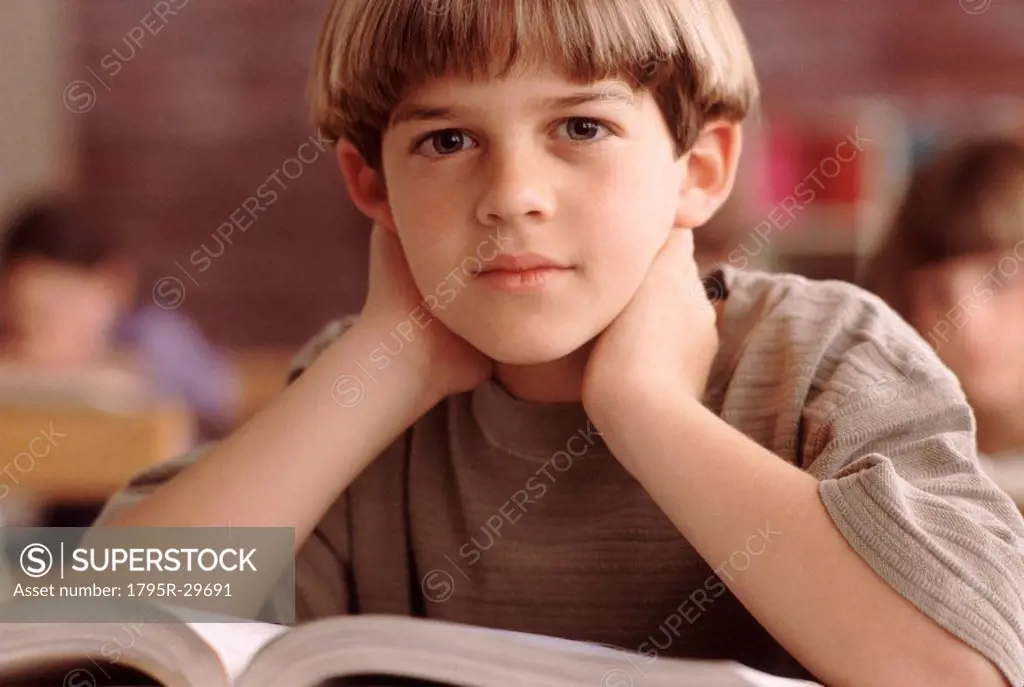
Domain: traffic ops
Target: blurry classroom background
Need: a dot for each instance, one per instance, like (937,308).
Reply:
(177,132)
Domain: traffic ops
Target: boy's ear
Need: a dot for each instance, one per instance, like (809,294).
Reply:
(365,185)
(709,172)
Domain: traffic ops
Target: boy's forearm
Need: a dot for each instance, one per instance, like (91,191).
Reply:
(289,463)
(742,507)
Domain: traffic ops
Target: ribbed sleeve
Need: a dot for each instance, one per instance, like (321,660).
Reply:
(890,436)
(146,480)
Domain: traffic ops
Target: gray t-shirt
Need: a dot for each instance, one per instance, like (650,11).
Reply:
(498,512)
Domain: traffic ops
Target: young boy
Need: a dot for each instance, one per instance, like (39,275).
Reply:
(539,421)
(953,266)
(69,328)
(62,292)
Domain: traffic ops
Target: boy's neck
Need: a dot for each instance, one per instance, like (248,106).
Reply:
(558,381)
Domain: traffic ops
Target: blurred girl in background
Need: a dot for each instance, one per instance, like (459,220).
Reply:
(953,266)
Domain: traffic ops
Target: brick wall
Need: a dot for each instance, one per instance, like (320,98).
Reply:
(183,131)
(176,134)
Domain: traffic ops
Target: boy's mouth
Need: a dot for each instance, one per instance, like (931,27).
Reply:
(522,273)
(521,262)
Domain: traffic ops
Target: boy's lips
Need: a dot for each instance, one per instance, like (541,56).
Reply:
(521,262)
(522,272)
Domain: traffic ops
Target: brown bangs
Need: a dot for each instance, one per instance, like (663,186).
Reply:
(371,52)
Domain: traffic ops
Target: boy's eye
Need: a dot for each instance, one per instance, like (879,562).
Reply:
(582,128)
(445,142)
(451,141)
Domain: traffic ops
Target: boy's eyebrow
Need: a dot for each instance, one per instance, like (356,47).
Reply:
(412,111)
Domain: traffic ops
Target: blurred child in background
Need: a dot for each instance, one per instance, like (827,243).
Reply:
(953,266)
(70,322)
(71,332)
(63,292)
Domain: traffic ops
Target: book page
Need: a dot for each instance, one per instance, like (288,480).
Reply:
(237,643)
(759,679)
(444,652)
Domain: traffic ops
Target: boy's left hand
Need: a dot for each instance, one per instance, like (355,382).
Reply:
(663,342)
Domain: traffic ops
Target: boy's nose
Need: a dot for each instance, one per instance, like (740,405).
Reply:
(515,189)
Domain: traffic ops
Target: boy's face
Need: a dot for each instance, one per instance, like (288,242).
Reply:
(583,176)
(61,306)
(971,310)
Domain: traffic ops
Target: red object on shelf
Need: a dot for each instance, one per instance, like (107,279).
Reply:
(836,164)
(814,168)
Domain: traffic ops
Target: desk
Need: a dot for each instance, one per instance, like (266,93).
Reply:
(75,453)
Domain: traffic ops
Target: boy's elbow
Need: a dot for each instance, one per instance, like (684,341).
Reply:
(947,662)
(983,672)
(941,671)
(969,667)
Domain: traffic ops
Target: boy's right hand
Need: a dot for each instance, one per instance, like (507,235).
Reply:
(395,308)
(304,444)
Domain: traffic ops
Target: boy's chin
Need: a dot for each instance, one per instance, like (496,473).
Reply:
(530,350)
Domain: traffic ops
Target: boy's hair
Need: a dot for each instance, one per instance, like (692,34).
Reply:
(968,200)
(53,230)
(691,55)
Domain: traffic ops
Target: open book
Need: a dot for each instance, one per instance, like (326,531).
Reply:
(353,650)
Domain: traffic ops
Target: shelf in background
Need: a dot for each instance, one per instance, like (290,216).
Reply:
(823,185)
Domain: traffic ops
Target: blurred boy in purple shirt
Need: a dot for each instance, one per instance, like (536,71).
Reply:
(69,326)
